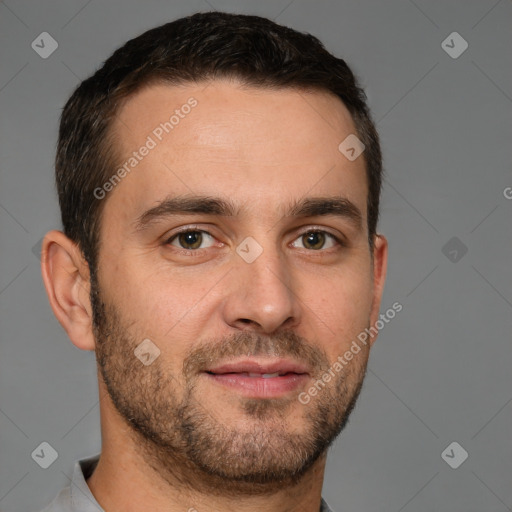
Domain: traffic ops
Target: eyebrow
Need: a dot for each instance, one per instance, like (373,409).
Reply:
(308,207)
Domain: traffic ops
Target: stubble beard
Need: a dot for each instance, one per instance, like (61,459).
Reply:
(187,443)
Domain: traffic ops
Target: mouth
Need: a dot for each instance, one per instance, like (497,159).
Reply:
(260,378)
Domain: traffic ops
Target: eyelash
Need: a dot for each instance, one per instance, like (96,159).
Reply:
(194,252)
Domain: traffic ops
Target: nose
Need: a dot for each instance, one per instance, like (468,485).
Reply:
(261,296)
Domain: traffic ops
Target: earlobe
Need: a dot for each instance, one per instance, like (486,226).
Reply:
(67,281)
(380,261)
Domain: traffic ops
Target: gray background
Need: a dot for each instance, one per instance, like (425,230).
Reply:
(440,371)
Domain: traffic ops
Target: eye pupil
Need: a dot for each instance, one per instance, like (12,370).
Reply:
(313,240)
(190,239)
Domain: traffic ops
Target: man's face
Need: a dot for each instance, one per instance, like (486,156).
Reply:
(250,300)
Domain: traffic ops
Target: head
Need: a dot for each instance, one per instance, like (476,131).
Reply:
(238,235)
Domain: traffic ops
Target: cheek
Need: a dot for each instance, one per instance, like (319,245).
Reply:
(339,305)
(164,304)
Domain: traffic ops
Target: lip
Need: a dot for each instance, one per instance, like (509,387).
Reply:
(260,366)
(235,375)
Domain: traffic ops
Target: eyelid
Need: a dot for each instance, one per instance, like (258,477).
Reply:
(184,229)
(339,238)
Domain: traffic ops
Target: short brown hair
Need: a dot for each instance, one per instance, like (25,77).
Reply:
(201,47)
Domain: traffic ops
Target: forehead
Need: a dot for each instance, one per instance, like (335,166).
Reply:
(256,146)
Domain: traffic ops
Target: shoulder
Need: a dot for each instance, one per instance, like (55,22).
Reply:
(61,503)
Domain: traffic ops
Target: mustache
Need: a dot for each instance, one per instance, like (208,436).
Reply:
(283,344)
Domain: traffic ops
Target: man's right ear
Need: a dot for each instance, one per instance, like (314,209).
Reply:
(66,278)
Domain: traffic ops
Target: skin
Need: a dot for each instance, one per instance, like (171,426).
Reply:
(261,149)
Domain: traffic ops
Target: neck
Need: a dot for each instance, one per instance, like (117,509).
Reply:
(127,484)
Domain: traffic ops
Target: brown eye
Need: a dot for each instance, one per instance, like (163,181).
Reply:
(316,240)
(191,240)
(313,240)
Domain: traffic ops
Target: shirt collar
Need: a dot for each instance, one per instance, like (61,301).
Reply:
(81,496)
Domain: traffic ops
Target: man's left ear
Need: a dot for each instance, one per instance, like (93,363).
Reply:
(380,262)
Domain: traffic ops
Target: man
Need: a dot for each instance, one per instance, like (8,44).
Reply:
(219,182)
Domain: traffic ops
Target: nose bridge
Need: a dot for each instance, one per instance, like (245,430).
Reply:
(264,291)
